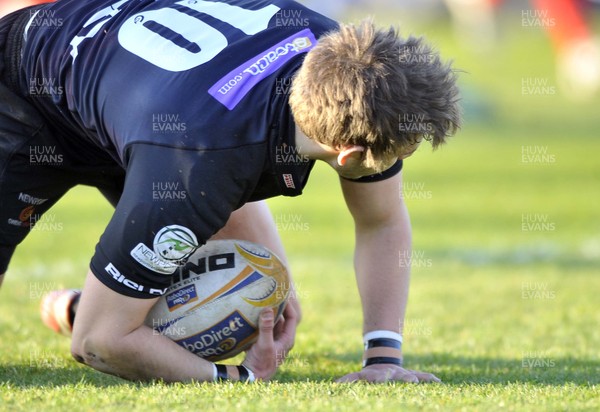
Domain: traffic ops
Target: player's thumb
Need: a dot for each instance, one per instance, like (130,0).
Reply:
(266,323)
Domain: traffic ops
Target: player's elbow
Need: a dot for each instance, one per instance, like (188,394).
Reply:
(93,350)
(109,354)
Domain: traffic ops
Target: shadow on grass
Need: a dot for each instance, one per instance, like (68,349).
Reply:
(460,370)
(453,370)
(54,376)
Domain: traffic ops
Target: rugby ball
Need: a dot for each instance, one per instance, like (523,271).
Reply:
(212,306)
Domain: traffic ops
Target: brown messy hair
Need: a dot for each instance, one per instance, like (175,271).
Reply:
(369,87)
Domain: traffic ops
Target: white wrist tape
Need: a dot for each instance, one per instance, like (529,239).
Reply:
(378,334)
(382,347)
(215,372)
(251,377)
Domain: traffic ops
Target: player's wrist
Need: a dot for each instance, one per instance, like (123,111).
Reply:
(240,373)
(382,347)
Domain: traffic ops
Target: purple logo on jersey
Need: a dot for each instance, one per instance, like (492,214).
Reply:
(232,88)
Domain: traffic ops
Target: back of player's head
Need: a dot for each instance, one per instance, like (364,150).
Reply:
(369,87)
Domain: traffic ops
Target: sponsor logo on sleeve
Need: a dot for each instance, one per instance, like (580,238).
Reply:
(232,88)
(25,217)
(36,201)
(172,246)
(147,258)
(175,243)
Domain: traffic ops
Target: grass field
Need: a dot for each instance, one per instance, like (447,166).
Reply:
(504,303)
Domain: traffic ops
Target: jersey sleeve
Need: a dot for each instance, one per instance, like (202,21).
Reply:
(392,171)
(173,201)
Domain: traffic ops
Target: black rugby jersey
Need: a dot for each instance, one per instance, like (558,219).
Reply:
(188,74)
(190,97)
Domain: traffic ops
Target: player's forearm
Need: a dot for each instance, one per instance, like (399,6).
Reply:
(108,335)
(145,355)
(383,283)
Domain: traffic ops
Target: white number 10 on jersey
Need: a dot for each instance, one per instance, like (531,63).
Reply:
(176,41)
(173,39)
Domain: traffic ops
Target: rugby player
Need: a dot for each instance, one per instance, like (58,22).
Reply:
(124,94)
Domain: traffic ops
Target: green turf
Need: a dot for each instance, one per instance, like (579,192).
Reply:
(508,318)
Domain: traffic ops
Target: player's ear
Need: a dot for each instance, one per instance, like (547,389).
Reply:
(347,152)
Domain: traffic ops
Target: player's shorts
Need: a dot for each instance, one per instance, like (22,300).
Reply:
(36,167)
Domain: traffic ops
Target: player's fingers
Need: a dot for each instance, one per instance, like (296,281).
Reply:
(291,310)
(426,377)
(406,376)
(290,320)
(287,334)
(279,326)
(351,377)
(284,338)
